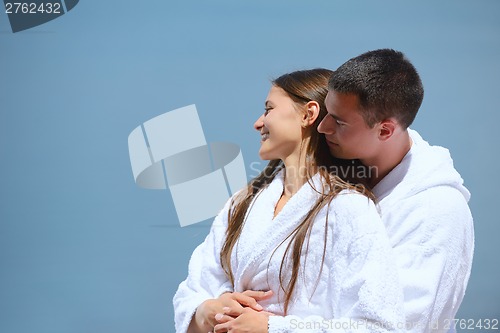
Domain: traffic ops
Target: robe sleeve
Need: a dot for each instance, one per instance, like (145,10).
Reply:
(434,251)
(363,278)
(206,278)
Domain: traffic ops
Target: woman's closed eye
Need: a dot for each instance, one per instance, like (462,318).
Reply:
(267,111)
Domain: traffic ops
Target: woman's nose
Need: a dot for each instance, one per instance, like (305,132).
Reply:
(259,123)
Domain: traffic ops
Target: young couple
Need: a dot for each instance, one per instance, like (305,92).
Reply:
(302,249)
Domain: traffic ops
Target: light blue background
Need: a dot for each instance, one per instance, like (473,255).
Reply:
(83,249)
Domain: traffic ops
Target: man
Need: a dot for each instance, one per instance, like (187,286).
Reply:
(372,99)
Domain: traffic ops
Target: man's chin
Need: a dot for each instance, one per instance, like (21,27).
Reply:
(334,151)
(340,155)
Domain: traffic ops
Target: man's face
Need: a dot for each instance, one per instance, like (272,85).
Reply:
(347,134)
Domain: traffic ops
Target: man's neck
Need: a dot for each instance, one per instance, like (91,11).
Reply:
(390,155)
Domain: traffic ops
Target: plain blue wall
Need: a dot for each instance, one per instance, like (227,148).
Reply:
(83,249)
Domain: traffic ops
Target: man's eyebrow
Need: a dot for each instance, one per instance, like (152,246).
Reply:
(337,118)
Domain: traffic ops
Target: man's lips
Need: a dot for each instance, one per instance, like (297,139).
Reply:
(331,143)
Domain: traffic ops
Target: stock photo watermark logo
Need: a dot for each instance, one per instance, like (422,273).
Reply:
(29,14)
(170,151)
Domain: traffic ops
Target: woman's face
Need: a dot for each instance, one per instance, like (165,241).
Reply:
(280,126)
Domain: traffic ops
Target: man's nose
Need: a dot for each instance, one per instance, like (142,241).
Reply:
(327,125)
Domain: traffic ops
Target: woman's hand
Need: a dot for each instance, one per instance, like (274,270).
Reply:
(236,302)
(247,321)
(204,318)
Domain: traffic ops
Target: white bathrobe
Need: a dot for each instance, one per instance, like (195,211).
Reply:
(424,208)
(358,287)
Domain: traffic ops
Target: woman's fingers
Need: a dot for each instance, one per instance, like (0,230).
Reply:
(268,313)
(258,295)
(236,301)
(222,318)
(247,299)
(221,328)
(232,312)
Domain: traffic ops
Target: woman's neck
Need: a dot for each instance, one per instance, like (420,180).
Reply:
(297,171)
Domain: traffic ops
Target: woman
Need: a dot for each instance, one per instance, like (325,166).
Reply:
(312,241)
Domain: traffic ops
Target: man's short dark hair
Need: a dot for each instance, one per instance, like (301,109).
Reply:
(386,83)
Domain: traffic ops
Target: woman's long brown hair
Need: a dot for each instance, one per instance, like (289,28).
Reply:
(302,87)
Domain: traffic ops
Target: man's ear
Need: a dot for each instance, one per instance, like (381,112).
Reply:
(311,113)
(387,128)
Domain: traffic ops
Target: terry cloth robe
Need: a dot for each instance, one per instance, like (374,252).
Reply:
(357,288)
(424,207)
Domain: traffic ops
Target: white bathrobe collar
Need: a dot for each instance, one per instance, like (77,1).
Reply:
(262,209)
(423,167)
